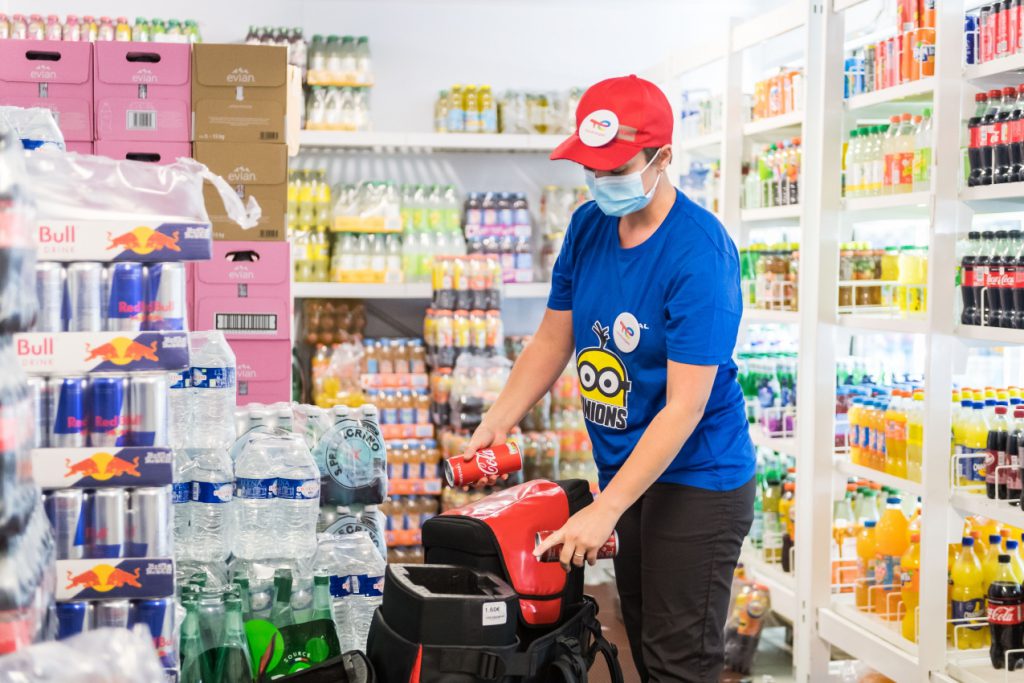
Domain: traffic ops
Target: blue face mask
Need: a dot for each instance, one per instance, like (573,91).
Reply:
(621,195)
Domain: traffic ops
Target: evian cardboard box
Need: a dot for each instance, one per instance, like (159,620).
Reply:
(52,74)
(239,92)
(259,171)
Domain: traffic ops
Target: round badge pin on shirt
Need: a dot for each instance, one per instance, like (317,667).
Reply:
(599,128)
(626,332)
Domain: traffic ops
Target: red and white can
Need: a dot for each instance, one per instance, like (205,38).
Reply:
(488,462)
(606,552)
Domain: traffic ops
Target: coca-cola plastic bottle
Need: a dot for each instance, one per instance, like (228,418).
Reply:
(1005,617)
(970,286)
(1017,138)
(1002,165)
(1014,443)
(994,282)
(990,136)
(984,271)
(1011,267)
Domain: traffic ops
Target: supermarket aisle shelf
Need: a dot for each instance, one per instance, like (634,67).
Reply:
(863,637)
(787,445)
(441,142)
(781,585)
(860,471)
(995,335)
(909,203)
(759,315)
(772,213)
(980,504)
(773,125)
(1002,71)
(917,91)
(870,323)
(994,198)
(978,670)
(702,145)
(422,290)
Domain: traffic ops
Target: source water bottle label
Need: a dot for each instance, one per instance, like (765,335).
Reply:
(298,489)
(182,380)
(213,378)
(181,492)
(256,489)
(209,492)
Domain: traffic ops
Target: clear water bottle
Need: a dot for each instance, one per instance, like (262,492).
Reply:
(374,519)
(213,391)
(179,405)
(210,499)
(181,494)
(298,498)
(356,573)
(255,518)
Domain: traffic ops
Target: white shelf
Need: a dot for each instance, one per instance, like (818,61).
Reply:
(441,142)
(418,291)
(914,91)
(758,315)
(774,125)
(860,471)
(1007,69)
(870,639)
(781,585)
(709,144)
(791,212)
(978,669)
(787,445)
(995,335)
(980,504)
(891,205)
(994,198)
(872,323)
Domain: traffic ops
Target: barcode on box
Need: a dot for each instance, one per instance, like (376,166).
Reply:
(268,135)
(141,120)
(246,322)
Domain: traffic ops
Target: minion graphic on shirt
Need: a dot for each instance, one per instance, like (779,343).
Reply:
(604,383)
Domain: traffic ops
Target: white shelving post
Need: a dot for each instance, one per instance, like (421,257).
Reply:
(819,264)
(732,141)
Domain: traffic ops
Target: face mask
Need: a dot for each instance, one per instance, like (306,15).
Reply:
(621,195)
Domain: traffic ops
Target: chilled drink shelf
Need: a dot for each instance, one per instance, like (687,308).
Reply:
(791,212)
(709,145)
(871,323)
(979,504)
(978,669)
(782,585)
(869,638)
(997,72)
(915,91)
(774,126)
(994,198)
(861,472)
(438,142)
(417,291)
(787,445)
(994,335)
(913,203)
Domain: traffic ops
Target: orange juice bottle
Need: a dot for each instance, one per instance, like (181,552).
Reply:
(896,436)
(866,558)
(914,525)
(968,599)
(910,584)
(891,543)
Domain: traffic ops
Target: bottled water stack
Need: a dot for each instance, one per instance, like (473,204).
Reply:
(210,510)
(254,505)
(298,499)
(213,391)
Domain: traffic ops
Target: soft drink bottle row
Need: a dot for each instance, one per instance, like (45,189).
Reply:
(450,334)
(414,459)
(467,283)
(290,38)
(330,107)
(472,109)
(461,395)
(779,94)
(772,178)
(157,615)
(894,278)
(886,429)
(700,113)
(993,31)
(112,522)
(773,529)
(889,159)
(768,380)
(339,60)
(995,137)
(466,109)
(988,434)
(991,278)
(498,224)
(408,513)
(908,56)
(770,275)
(117,297)
(91,29)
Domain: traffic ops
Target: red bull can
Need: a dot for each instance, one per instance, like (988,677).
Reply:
(66,421)
(107,525)
(166,297)
(606,552)
(124,297)
(148,402)
(150,528)
(66,510)
(108,411)
(158,616)
(112,614)
(39,398)
(73,618)
(85,297)
(50,316)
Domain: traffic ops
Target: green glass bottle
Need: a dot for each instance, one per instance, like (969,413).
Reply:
(242,582)
(190,648)
(281,613)
(233,661)
(323,604)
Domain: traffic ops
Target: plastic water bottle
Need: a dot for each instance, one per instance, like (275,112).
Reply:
(375,520)
(213,391)
(179,405)
(298,498)
(181,493)
(209,501)
(356,573)
(255,517)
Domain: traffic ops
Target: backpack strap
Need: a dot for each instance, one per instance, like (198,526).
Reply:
(600,644)
(484,665)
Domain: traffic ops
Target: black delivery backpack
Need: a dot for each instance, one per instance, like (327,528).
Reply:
(483,608)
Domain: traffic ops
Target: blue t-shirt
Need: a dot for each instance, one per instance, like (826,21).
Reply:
(674,297)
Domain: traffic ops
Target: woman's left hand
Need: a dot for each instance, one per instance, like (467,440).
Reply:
(582,536)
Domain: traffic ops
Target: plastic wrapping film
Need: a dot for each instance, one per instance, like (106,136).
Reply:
(106,655)
(35,126)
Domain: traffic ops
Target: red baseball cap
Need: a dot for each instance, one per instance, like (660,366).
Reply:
(615,119)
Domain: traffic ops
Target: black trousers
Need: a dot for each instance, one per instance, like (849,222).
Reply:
(678,549)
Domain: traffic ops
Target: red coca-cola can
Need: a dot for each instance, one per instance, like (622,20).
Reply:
(606,552)
(488,462)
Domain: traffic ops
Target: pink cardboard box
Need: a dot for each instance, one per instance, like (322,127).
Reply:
(142,91)
(79,147)
(52,74)
(161,153)
(263,370)
(245,291)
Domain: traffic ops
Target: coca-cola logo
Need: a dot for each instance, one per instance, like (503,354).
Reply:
(999,280)
(487,462)
(1004,615)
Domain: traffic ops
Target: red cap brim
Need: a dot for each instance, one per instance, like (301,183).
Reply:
(606,158)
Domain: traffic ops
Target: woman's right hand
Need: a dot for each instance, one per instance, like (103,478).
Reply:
(485,436)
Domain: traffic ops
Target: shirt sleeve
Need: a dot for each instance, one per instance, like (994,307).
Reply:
(560,298)
(703,307)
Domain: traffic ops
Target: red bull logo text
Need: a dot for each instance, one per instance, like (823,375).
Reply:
(102,466)
(43,347)
(48,235)
(122,351)
(143,240)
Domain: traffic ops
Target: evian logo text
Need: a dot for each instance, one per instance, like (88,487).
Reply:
(241,75)
(242,174)
(43,73)
(144,76)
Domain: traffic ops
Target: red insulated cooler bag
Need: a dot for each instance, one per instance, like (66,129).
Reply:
(556,632)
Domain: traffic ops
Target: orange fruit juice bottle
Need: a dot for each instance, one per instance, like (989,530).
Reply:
(910,568)
(891,543)
(866,558)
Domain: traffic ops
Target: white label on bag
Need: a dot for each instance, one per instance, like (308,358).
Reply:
(494,614)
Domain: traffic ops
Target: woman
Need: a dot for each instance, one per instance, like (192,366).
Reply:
(646,291)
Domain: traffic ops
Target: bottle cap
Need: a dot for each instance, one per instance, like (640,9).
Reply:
(994,538)
(892,500)
(967,541)
(1004,559)
(870,523)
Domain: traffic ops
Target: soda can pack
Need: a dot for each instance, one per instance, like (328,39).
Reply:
(110,523)
(124,296)
(487,462)
(157,615)
(608,551)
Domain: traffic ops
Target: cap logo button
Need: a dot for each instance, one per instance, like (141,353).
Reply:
(599,128)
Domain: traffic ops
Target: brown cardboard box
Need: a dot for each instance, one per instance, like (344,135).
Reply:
(239,92)
(259,171)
